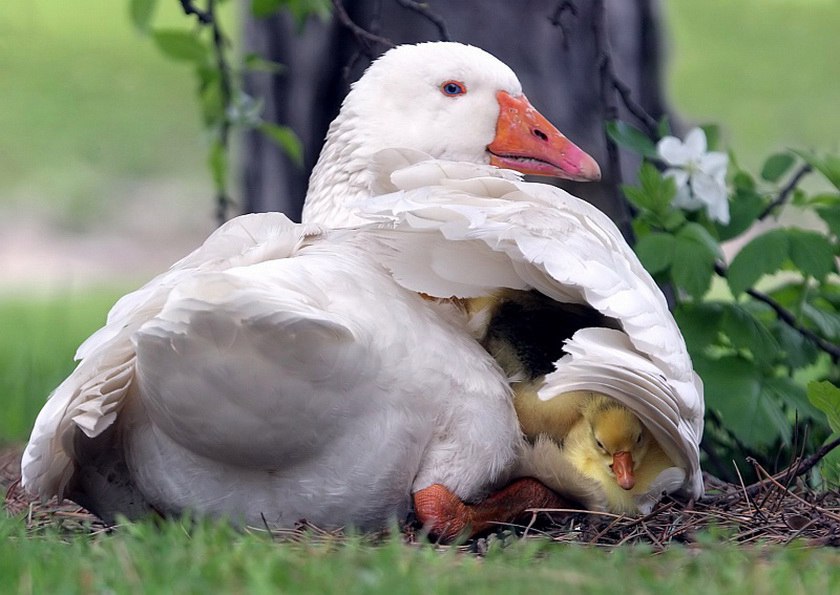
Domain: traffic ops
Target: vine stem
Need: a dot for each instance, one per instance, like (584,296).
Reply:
(208,18)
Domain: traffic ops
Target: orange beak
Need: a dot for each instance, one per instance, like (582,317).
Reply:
(623,468)
(528,143)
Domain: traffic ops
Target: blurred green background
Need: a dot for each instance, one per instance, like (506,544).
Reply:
(100,133)
(102,156)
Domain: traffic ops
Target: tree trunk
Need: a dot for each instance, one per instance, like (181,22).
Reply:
(557,53)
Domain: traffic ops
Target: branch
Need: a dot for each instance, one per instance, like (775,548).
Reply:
(786,191)
(556,18)
(796,469)
(422,8)
(602,47)
(207,18)
(802,466)
(364,38)
(204,17)
(222,198)
(788,318)
(649,122)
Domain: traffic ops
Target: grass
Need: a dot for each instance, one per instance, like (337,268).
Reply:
(36,347)
(763,69)
(213,558)
(88,101)
(39,337)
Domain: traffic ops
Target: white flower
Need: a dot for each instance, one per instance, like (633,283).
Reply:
(700,176)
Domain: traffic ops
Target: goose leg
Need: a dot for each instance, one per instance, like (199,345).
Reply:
(445,516)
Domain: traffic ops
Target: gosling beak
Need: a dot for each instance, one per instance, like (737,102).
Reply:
(527,142)
(623,468)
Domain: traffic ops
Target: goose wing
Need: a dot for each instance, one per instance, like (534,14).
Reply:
(465,230)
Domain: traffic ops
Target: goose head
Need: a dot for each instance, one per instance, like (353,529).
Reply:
(618,439)
(448,100)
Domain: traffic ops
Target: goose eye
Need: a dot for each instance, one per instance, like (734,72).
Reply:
(453,88)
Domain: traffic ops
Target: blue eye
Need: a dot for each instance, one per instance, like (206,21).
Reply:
(453,88)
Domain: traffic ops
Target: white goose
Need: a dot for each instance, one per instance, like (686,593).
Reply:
(287,371)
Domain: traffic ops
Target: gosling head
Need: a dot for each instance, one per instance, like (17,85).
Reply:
(620,440)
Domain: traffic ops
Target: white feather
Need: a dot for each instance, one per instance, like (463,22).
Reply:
(288,371)
(535,236)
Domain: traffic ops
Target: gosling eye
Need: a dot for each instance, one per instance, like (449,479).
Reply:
(639,439)
(601,446)
(453,88)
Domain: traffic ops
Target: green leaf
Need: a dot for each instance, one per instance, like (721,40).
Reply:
(799,352)
(827,323)
(212,106)
(181,45)
(699,234)
(265,8)
(655,192)
(695,252)
(776,166)
(761,256)
(830,292)
(672,219)
(285,139)
(743,181)
(831,215)
(830,464)
(828,166)
(771,407)
(256,63)
(747,332)
(663,127)
(699,323)
(299,9)
(744,209)
(141,13)
(632,138)
(732,386)
(826,397)
(656,251)
(811,252)
(793,395)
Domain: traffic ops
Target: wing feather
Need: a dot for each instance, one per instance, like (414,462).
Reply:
(442,217)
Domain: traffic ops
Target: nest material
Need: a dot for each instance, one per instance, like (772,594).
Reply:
(778,509)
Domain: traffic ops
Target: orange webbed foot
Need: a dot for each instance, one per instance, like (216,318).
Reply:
(446,517)
(441,512)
